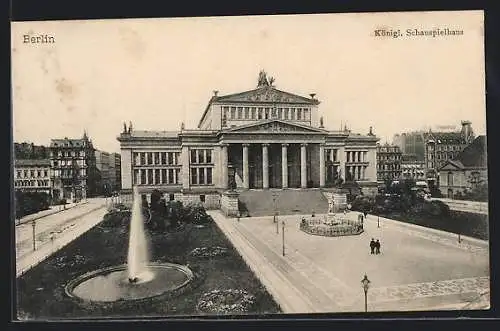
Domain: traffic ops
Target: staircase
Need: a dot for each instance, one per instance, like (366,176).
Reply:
(288,202)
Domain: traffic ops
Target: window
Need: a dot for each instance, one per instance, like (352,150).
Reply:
(157,158)
(143,176)
(247,112)
(286,113)
(202,197)
(233,112)
(163,158)
(18,174)
(176,158)
(157,177)
(177,175)
(253,113)
(299,114)
(201,176)
(280,113)
(193,156)
(32,172)
(150,177)
(201,156)
(266,113)
(259,114)
(39,173)
(209,155)
(171,197)
(292,114)
(209,176)
(306,114)
(164,176)
(171,176)
(150,158)
(194,176)
(273,113)
(240,113)
(170,158)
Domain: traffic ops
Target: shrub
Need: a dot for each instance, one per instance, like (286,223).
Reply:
(31,202)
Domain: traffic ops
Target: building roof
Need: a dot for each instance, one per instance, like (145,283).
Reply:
(473,156)
(32,162)
(68,142)
(154,134)
(447,138)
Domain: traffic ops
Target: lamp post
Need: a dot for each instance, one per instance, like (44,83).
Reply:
(275,198)
(283,235)
(33,224)
(378,221)
(366,285)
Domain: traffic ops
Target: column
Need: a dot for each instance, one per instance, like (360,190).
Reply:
(223,165)
(147,177)
(284,165)
(322,165)
(245,167)
(185,167)
(342,159)
(303,166)
(265,166)
(161,176)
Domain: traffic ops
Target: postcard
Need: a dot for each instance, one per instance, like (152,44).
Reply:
(250,165)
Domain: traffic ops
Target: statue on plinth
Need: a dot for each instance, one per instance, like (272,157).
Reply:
(330,205)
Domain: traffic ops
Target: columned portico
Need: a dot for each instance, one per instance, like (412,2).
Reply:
(265,166)
(284,165)
(224,164)
(303,165)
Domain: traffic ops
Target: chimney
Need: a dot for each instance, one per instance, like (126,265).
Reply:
(312,95)
(466,129)
(215,93)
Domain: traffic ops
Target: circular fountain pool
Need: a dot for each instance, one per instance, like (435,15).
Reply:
(112,284)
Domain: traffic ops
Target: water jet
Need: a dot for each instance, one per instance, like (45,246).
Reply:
(138,278)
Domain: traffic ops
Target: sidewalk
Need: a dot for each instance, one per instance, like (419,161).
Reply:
(46,246)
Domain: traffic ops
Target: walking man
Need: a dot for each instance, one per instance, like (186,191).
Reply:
(377,247)
(372,246)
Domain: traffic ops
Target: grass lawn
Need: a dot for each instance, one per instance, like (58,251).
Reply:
(40,292)
(468,224)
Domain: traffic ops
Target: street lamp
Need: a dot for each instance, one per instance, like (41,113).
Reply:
(33,224)
(378,221)
(275,198)
(366,285)
(283,236)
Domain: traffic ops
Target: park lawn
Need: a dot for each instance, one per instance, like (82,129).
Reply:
(41,295)
(468,224)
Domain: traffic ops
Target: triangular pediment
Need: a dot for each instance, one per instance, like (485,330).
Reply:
(452,165)
(273,126)
(266,94)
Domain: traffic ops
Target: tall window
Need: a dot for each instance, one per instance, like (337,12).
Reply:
(171,176)
(259,114)
(164,176)
(193,156)
(299,114)
(209,175)
(143,158)
(157,177)
(450,178)
(247,113)
(286,113)
(240,113)
(163,158)
(143,176)
(233,113)
(150,158)
(194,176)
(292,114)
(306,114)
(273,113)
(253,113)
(150,177)
(266,113)
(280,113)
(209,155)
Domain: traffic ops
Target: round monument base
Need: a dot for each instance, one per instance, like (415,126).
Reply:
(331,226)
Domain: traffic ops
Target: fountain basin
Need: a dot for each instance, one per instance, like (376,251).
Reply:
(112,283)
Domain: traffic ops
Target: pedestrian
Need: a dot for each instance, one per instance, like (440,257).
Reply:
(372,246)
(365,213)
(377,247)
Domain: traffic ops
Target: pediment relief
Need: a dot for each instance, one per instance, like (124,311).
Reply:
(275,126)
(266,94)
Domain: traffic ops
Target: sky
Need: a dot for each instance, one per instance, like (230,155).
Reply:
(158,73)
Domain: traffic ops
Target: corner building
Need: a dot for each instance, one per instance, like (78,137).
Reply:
(254,140)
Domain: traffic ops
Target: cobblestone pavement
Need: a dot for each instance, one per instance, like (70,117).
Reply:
(417,271)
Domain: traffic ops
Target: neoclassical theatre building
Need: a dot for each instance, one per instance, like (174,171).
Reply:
(259,139)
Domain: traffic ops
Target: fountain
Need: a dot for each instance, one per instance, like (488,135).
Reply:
(138,279)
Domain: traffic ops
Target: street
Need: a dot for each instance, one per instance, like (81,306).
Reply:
(54,231)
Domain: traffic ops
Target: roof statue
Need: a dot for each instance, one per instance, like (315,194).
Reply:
(130,127)
(321,122)
(124,127)
(263,79)
(371,131)
(271,81)
(182,126)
